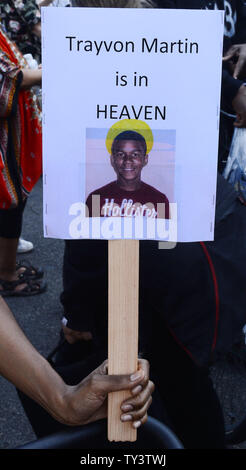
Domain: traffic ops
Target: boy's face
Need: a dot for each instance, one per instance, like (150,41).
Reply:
(128,158)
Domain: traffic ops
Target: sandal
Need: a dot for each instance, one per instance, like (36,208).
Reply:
(30,272)
(31,287)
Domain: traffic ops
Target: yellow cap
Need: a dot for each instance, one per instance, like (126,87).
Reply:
(130,125)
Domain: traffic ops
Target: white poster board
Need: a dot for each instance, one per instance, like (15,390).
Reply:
(156,69)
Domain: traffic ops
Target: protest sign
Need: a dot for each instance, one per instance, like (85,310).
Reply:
(130,122)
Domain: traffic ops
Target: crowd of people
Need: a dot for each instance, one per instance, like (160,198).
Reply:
(196,292)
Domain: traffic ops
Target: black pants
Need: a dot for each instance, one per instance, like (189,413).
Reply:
(187,393)
(183,391)
(11,221)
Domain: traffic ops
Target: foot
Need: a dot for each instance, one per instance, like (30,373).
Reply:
(21,287)
(28,271)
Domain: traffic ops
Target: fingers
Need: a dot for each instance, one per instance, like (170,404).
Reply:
(237,51)
(135,408)
(144,366)
(72,336)
(240,121)
(135,382)
(103,384)
(228,57)
(139,417)
(239,66)
(231,53)
(140,398)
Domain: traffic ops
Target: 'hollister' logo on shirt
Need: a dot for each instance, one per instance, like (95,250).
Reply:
(113,201)
(128,209)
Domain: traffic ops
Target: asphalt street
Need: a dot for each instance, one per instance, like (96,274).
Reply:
(39,316)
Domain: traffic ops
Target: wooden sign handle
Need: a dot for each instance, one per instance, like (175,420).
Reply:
(123,295)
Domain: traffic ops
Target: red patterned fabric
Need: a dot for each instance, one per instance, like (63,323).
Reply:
(20,154)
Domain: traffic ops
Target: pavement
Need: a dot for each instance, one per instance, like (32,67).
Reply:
(39,316)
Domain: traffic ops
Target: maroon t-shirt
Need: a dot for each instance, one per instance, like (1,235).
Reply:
(112,201)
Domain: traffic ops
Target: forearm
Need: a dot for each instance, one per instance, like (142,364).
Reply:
(21,364)
(31,77)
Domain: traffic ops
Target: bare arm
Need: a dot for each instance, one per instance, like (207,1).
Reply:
(31,77)
(238,51)
(21,364)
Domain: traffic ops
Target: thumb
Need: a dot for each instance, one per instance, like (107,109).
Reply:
(227,57)
(113,383)
(239,121)
(232,51)
(239,66)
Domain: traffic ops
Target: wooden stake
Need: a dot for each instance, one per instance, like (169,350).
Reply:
(123,281)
